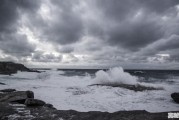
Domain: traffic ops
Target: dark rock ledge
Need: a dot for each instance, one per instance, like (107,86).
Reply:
(2,83)
(8,68)
(135,88)
(175,97)
(21,105)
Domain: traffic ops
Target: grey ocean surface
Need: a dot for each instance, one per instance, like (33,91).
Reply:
(70,89)
(149,76)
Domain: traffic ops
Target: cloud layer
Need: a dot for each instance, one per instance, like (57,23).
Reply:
(90,33)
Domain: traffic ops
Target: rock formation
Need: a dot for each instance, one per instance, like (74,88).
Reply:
(175,97)
(9,68)
(135,88)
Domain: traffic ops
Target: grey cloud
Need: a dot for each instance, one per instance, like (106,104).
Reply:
(117,9)
(134,34)
(9,12)
(174,55)
(65,49)
(8,15)
(162,45)
(11,42)
(118,35)
(39,56)
(159,6)
(65,28)
(70,58)
(16,45)
(120,9)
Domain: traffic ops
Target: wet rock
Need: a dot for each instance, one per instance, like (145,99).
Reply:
(34,102)
(7,90)
(135,88)
(9,112)
(120,115)
(9,68)
(17,96)
(30,94)
(175,97)
(48,105)
(5,111)
(2,83)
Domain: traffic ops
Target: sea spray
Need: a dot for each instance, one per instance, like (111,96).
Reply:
(43,76)
(114,75)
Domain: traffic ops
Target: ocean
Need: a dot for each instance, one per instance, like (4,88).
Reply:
(79,89)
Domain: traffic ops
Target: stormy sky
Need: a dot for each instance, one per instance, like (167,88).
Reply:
(90,33)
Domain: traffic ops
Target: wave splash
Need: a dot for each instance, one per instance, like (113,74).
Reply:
(114,75)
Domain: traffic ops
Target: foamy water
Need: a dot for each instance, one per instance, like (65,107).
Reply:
(74,92)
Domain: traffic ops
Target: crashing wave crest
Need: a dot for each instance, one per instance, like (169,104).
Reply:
(114,75)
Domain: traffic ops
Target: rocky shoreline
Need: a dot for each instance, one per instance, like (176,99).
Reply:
(21,105)
(8,68)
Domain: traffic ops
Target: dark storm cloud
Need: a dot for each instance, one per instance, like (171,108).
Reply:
(166,46)
(66,32)
(66,26)
(135,36)
(8,15)
(102,30)
(122,9)
(130,33)
(10,41)
(16,45)
(159,6)
(9,12)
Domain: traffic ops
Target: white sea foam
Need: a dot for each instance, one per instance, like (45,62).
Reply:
(114,76)
(74,92)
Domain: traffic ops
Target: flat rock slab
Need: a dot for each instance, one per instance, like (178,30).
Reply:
(120,115)
(16,96)
(7,90)
(2,83)
(34,102)
(8,68)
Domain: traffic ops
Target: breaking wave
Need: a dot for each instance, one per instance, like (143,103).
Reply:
(114,75)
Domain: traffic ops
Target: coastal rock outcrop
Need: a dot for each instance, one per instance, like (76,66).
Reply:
(17,96)
(2,83)
(9,68)
(7,90)
(34,102)
(21,97)
(175,97)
